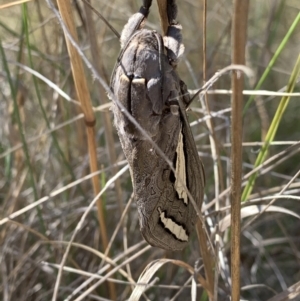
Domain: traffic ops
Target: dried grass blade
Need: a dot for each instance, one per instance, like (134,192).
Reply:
(239,34)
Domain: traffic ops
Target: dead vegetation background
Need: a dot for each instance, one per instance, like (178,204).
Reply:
(46,187)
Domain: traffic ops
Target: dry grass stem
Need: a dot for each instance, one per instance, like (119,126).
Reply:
(239,35)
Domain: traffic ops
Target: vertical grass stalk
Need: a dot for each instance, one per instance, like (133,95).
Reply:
(239,37)
(85,101)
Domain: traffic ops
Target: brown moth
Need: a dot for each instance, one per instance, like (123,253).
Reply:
(146,85)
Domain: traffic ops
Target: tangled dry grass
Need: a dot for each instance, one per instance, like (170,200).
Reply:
(47,191)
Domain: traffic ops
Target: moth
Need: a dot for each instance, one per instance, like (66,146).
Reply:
(146,86)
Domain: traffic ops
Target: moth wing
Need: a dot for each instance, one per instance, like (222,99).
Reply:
(194,167)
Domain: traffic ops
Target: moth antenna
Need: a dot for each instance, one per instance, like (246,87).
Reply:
(135,22)
(173,38)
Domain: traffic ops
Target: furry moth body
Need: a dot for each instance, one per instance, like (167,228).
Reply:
(146,84)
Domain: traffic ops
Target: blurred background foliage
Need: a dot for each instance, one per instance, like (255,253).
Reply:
(40,154)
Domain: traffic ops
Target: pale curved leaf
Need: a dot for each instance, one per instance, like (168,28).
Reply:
(150,270)
(253,210)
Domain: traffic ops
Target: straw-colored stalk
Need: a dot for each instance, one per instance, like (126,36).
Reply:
(239,37)
(86,105)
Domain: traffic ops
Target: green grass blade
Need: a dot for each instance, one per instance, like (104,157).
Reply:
(273,129)
(22,135)
(273,60)
(38,94)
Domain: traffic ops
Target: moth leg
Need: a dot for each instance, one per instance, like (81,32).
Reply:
(123,91)
(135,22)
(185,94)
(142,108)
(123,97)
(155,94)
(173,39)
